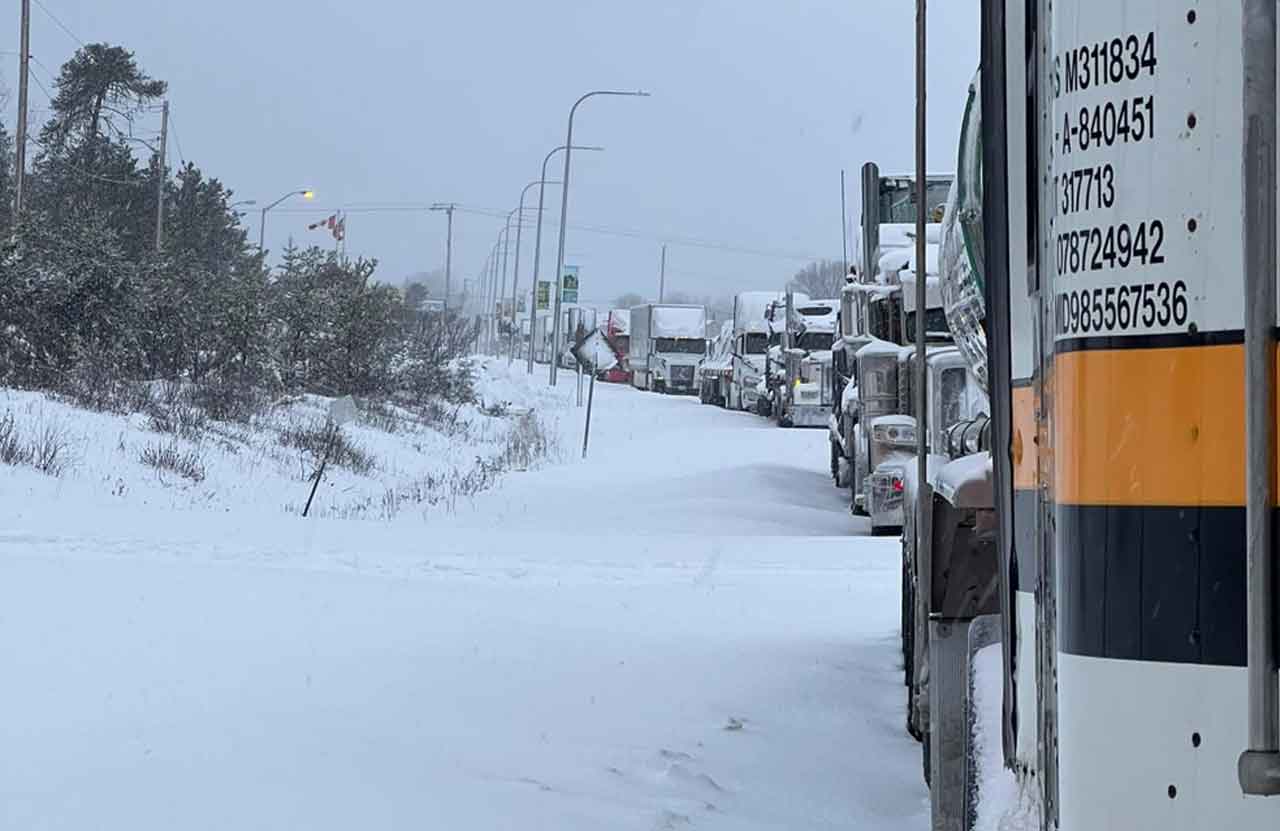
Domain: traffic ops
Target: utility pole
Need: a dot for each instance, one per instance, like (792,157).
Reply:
(20,156)
(662,275)
(161,175)
(447,207)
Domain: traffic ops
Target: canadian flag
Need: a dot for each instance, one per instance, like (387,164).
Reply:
(324,223)
(334,224)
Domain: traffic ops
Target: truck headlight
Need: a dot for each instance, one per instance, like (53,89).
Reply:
(902,435)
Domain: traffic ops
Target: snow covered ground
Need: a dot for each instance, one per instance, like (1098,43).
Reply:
(682,631)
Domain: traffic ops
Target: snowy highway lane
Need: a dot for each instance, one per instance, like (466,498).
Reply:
(683,631)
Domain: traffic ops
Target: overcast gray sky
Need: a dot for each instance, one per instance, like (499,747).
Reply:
(755,108)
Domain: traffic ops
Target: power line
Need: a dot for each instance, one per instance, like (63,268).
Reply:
(628,233)
(43,88)
(61,25)
(47,71)
(692,242)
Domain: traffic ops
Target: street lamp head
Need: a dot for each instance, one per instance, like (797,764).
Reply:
(308,194)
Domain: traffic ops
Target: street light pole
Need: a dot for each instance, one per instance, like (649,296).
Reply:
(564,216)
(506,250)
(515,279)
(662,275)
(305,193)
(448,246)
(537,248)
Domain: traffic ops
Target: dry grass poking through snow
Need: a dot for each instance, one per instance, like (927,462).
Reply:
(44,448)
(184,445)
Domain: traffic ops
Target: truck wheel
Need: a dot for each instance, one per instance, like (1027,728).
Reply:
(835,464)
(660,387)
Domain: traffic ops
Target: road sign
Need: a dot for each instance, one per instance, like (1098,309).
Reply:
(569,285)
(544,295)
(595,353)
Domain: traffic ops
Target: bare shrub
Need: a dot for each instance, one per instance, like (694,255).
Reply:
(94,385)
(49,450)
(46,451)
(186,464)
(432,363)
(226,399)
(528,443)
(315,437)
(173,412)
(13,450)
(378,414)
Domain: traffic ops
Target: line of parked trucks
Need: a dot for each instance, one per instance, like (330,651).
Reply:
(1096,506)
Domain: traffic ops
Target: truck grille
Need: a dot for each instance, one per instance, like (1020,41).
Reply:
(682,374)
(886,491)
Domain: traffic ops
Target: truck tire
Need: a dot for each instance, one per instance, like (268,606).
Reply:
(835,463)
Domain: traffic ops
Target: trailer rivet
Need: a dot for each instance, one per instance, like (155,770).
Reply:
(1173,792)
(1191,121)
(1191,16)
(1195,739)
(1192,224)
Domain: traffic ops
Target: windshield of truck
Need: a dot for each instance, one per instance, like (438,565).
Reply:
(680,346)
(814,341)
(757,343)
(935,325)
(898,198)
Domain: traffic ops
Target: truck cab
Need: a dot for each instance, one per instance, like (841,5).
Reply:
(668,343)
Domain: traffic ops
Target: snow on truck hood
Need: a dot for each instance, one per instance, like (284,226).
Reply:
(679,322)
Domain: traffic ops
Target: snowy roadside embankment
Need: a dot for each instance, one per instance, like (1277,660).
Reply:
(391,462)
(1002,805)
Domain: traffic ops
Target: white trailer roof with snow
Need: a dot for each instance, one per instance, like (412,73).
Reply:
(679,322)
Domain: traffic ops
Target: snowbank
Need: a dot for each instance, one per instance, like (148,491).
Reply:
(391,462)
(1002,805)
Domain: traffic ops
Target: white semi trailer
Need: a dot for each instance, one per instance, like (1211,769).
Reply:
(668,342)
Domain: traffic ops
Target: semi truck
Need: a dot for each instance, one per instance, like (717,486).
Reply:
(668,342)
(804,396)
(1108,534)
(875,320)
(751,332)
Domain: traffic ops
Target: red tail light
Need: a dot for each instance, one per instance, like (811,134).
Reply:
(897,486)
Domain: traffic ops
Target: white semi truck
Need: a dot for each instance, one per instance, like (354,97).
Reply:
(750,346)
(804,398)
(668,342)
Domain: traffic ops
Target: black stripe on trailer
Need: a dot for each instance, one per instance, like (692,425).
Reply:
(1152,583)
